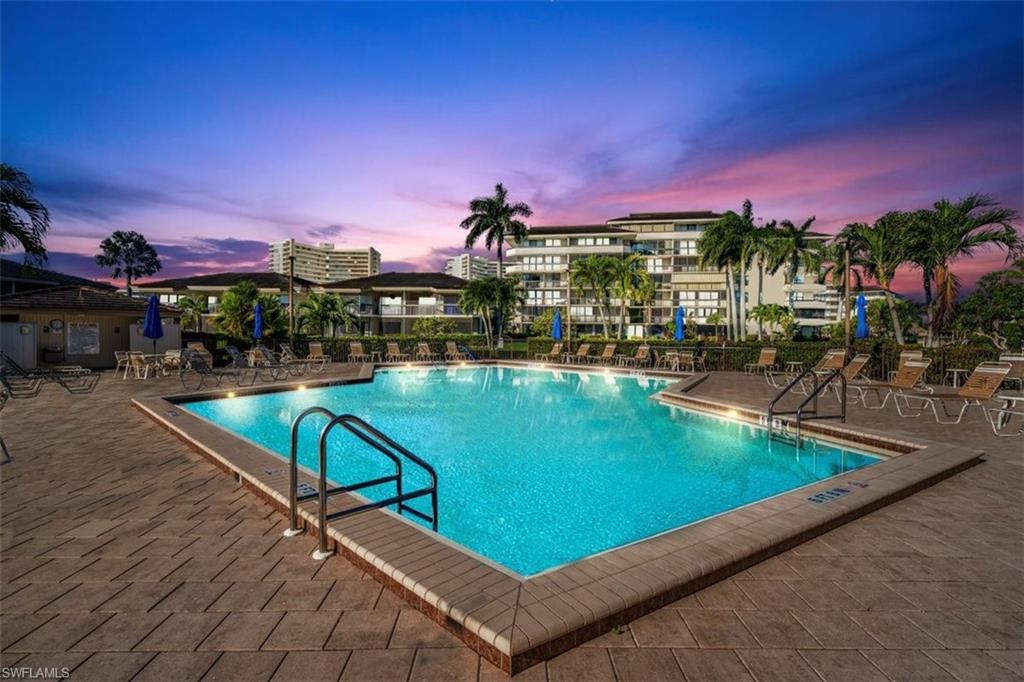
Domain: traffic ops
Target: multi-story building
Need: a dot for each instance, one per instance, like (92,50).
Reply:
(668,243)
(390,303)
(323,262)
(467,266)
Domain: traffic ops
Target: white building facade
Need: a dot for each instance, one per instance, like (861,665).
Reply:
(467,266)
(323,262)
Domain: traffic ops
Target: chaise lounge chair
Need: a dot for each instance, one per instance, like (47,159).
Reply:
(552,355)
(607,355)
(198,347)
(395,353)
(289,356)
(193,363)
(907,379)
(641,358)
(853,373)
(979,388)
(765,361)
(72,378)
(453,353)
(582,355)
(356,352)
(316,352)
(424,354)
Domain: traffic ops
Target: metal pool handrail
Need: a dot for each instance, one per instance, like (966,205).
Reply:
(812,395)
(375,439)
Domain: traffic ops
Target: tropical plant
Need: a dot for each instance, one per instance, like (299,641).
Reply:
(434,326)
(880,319)
(494,220)
(544,323)
(595,275)
(952,230)
(725,245)
(715,320)
(795,247)
(643,295)
(832,267)
(23,218)
(488,296)
(882,248)
(192,310)
(995,309)
(237,307)
(128,255)
(319,311)
(628,276)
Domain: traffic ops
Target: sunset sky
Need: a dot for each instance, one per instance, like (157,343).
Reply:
(213,128)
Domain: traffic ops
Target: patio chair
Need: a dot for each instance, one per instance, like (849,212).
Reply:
(765,361)
(198,347)
(907,379)
(453,353)
(668,359)
(289,356)
(641,358)
(316,352)
(853,373)
(266,358)
(121,356)
(140,365)
(582,355)
(21,388)
(1016,374)
(607,355)
(983,383)
(193,363)
(395,353)
(72,378)
(356,352)
(424,354)
(905,356)
(999,417)
(553,354)
(699,361)
(241,367)
(686,362)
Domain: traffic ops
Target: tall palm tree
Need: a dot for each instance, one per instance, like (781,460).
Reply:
(320,310)
(477,299)
(628,273)
(594,275)
(192,310)
(795,247)
(128,255)
(236,311)
(952,230)
(882,248)
(23,218)
(495,220)
(832,266)
(643,295)
(722,245)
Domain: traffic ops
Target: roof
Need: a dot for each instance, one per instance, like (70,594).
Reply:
(673,215)
(75,297)
(263,280)
(22,272)
(400,280)
(576,229)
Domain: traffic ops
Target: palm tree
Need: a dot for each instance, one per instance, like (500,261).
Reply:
(722,245)
(882,248)
(628,275)
(715,320)
(644,294)
(476,299)
(832,266)
(192,309)
(795,247)
(320,310)
(23,218)
(507,294)
(236,310)
(948,232)
(595,274)
(494,219)
(129,255)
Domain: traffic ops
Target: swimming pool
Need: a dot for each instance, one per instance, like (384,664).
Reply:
(537,468)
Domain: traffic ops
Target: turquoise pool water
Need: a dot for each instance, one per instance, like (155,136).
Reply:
(537,468)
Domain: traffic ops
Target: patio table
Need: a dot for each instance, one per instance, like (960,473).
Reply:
(794,366)
(956,375)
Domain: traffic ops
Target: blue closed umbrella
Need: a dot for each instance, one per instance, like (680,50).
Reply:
(257,322)
(680,323)
(556,326)
(862,317)
(153,327)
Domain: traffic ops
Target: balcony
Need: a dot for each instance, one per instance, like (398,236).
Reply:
(607,249)
(414,310)
(519,268)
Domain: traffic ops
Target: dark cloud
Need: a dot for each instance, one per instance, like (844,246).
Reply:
(326,231)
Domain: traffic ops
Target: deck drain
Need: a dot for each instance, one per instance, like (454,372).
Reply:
(305,489)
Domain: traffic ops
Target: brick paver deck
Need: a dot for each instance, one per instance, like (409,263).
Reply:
(127,556)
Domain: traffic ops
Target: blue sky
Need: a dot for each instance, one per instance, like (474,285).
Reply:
(212,128)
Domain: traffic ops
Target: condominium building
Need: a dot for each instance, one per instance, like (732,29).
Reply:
(323,262)
(668,243)
(467,266)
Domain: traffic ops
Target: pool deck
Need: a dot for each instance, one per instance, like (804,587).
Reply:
(124,552)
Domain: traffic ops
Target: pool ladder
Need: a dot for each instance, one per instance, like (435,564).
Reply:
(801,412)
(375,439)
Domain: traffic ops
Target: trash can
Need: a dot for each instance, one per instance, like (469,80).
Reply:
(53,355)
